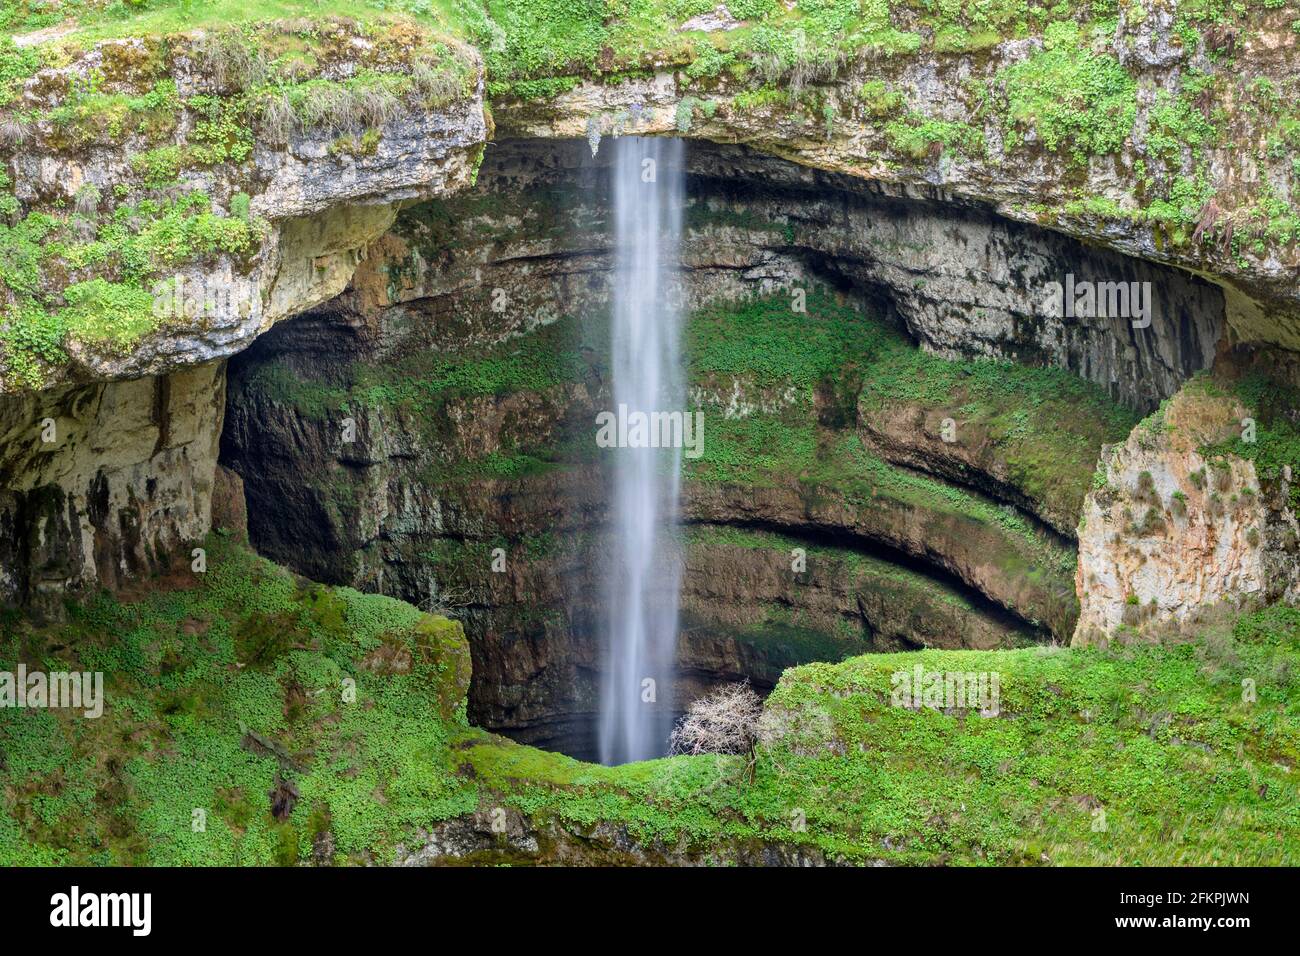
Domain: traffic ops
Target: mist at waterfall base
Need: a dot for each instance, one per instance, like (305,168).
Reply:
(644,575)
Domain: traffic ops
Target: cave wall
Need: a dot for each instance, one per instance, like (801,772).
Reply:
(120,491)
(965,281)
(529,245)
(970,283)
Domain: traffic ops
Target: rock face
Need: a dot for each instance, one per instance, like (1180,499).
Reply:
(310,205)
(1172,529)
(502,835)
(965,282)
(736,578)
(126,484)
(970,283)
(863,179)
(104,484)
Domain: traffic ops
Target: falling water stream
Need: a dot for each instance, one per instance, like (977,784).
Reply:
(644,575)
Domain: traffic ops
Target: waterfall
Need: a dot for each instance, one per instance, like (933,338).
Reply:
(644,574)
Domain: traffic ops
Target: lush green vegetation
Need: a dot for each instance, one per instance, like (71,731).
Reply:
(1047,424)
(87,271)
(1069,97)
(198,679)
(233,680)
(769,343)
(1074,99)
(1134,756)
(873,572)
(135,244)
(1274,444)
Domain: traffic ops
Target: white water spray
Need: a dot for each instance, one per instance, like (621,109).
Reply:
(645,572)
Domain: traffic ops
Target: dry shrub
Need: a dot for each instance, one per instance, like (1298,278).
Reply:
(277,116)
(436,84)
(374,106)
(14,131)
(725,721)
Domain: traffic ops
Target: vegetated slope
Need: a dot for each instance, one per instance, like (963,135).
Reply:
(218,690)
(1138,756)
(227,694)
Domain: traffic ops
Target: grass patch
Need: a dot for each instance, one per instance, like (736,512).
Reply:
(1157,739)
(246,650)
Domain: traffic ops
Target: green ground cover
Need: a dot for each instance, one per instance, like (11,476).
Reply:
(1134,755)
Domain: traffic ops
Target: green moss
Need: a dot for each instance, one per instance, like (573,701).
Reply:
(916,136)
(879,99)
(16,64)
(137,244)
(198,679)
(764,97)
(88,115)
(1077,101)
(1047,424)
(770,343)
(1277,437)
(110,313)
(1074,735)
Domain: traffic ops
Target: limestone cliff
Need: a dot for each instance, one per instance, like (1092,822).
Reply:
(105,483)
(160,221)
(1176,527)
(205,207)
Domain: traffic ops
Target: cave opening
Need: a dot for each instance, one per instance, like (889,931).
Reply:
(428,433)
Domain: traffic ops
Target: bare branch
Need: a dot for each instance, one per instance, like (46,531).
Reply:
(723,722)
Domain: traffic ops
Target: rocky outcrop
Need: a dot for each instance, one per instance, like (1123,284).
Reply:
(195,225)
(501,835)
(956,128)
(908,108)
(746,581)
(1175,528)
(270,211)
(1024,574)
(106,483)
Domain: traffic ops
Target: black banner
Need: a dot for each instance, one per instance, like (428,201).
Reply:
(368,905)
